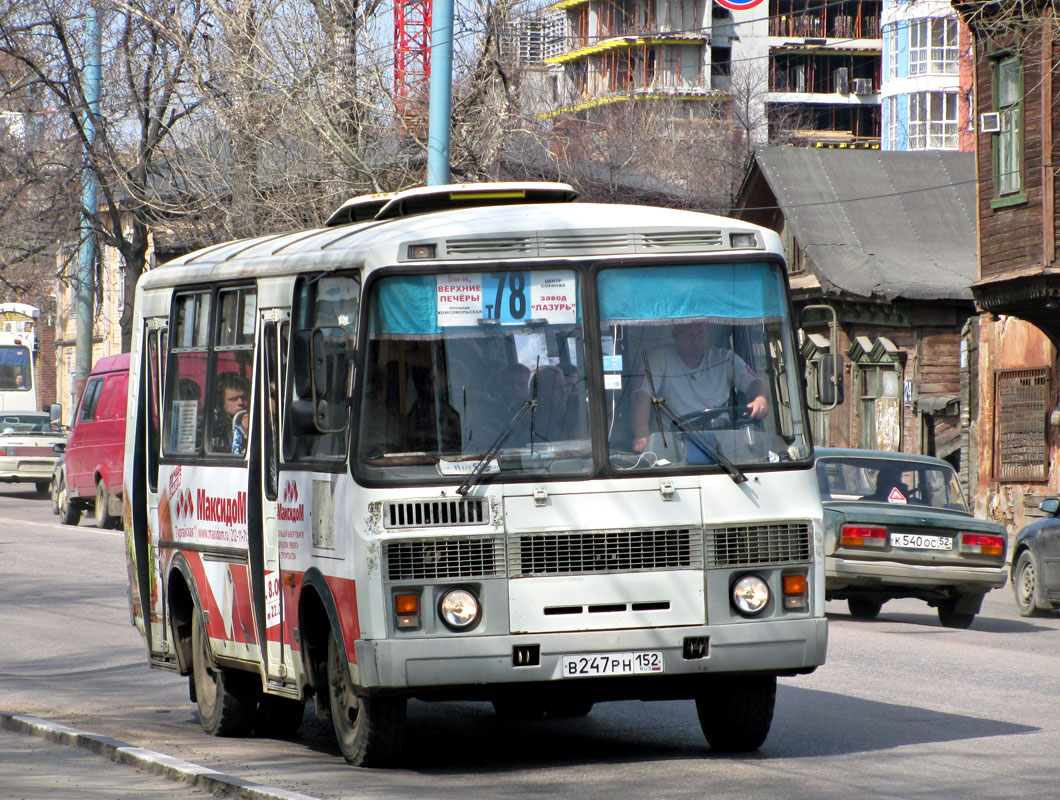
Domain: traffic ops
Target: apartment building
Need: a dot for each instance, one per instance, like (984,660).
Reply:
(926,95)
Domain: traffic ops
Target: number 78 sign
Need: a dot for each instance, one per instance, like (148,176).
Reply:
(511,297)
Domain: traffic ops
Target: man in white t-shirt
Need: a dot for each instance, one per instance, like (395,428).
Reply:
(693,376)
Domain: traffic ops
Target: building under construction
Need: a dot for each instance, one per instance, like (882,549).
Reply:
(808,66)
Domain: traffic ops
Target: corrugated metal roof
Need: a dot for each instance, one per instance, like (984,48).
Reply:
(880,224)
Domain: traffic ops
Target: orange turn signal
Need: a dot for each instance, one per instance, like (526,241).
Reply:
(407,603)
(794,584)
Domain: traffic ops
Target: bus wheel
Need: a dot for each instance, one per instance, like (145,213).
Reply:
(104,519)
(369,730)
(226,698)
(737,711)
(278,717)
(69,511)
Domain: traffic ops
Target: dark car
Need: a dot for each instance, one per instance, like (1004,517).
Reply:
(1036,563)
(897,525)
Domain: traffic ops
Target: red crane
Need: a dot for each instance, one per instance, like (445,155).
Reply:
(412,58)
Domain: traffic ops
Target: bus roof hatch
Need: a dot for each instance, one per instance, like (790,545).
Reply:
(428,199)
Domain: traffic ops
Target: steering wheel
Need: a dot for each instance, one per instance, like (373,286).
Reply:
(706,419)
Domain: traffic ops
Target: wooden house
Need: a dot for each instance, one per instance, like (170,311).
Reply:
(1018,287)
(887,241)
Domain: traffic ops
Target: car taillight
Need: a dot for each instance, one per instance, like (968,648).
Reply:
(862,536)
(982,543)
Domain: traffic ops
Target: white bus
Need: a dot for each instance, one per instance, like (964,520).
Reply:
(437,489)
(18,387)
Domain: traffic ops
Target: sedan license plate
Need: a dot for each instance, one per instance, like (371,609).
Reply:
(600,664)
(918,541)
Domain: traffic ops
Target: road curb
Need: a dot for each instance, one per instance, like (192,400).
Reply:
(144,759)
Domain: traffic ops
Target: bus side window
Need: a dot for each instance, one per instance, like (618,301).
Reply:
(228,422)
(184,410)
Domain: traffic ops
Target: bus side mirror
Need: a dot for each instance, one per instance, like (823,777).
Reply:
(310,366)
(830,379)
(302,418)
(55,415)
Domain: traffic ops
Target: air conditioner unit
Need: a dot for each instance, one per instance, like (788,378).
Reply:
(862,85)
(990,122)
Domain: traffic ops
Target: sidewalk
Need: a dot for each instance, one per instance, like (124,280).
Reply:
(41,760)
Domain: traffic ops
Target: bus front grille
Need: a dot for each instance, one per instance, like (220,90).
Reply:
(759,545)
(434,513)
(455,558)
(596,553)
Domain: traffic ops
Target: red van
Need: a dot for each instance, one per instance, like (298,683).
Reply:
(91,473)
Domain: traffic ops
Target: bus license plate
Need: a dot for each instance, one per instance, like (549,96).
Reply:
(916,541)
(600,664)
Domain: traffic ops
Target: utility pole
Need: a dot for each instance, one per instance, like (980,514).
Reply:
(86,263)
(441,93)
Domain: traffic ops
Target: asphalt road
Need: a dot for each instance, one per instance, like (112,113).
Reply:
(904,707)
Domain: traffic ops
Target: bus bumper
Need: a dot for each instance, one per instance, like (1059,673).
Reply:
(782,646)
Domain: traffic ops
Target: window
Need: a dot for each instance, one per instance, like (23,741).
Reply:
(233,349)
(1008,143)
(933,121)
(329,305)
(91,397)
(1020,407)
(892,123)
(208,380)
(878,382)
(878,404)
(892,52)
(15,372)
(933,46)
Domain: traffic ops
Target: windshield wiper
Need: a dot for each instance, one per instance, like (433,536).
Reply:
(700,441)
(473,478)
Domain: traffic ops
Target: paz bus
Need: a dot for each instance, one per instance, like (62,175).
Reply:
(435,491)
(18,389)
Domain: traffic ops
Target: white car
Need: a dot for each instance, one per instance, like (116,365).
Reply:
(28,452)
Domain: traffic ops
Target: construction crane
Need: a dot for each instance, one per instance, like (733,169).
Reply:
(412,59)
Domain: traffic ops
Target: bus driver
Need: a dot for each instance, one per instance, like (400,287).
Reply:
(693,376)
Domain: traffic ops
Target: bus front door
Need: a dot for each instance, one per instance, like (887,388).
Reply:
(265,441)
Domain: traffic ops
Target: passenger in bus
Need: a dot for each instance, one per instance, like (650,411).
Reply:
(229,433)
(691,375)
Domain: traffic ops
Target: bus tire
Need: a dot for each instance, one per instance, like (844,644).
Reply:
(104,519)
(278,717)
(737,711)
(69,511)
(227,698)
(369,730)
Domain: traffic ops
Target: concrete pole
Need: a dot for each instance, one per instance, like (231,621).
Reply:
(441,93)
(86,264)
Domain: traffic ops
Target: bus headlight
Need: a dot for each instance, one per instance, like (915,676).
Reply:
(750,594)
(459,609)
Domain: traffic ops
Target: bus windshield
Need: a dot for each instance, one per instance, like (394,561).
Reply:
(15,368)
(489,372)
